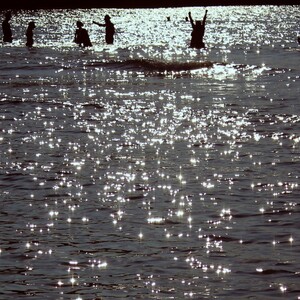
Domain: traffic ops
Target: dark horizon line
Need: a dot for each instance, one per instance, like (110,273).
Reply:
(65,4)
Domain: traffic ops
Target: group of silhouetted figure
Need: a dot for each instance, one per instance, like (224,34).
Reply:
(82,37)
(81,34)
(7,33)
(83,40)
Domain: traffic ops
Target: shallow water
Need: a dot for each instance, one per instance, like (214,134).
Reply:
(148,170)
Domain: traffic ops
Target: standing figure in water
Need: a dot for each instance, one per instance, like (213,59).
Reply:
(29,34)
(7,34)
(198,32)
(81,36)
(109,29)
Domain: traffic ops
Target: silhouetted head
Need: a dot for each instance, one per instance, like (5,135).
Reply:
(198,23)
(107,18)
(31,25)
(79,24)
(8,15)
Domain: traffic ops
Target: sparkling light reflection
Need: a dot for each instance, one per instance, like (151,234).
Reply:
(146,167)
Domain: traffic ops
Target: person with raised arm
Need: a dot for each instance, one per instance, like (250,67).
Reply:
(198,32)
(109,29)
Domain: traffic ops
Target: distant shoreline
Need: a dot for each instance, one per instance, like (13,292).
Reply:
(86,4)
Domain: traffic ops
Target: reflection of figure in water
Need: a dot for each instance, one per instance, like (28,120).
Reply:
(29,34)
(109,29)
(7,34)
(198,32)
(81,36)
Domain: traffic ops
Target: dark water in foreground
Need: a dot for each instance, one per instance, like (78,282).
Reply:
(147,170)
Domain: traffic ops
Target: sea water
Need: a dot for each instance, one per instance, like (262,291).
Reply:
(146,169)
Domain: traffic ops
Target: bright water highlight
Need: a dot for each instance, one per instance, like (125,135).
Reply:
(146,169)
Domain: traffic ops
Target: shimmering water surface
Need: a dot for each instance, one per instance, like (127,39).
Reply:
(148,170)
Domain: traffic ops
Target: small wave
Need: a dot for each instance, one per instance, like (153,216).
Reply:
(274,271)
(153,65)
(28,67)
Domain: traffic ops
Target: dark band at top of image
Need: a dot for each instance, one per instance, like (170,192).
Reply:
(32,4)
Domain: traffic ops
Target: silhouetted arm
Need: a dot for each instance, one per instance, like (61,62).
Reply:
(102,25)
(204,18)
(191,19)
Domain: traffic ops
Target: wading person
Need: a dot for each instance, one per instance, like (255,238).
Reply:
(29,34)
(7,34)
(81,36)
(109,29)
(198,32)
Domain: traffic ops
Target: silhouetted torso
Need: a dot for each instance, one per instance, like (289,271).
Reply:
(197,37)
(29,34)
(109,33)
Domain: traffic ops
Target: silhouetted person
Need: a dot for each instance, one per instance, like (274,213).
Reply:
(81,36)
(7,34)
(109,29)
(299,39)
(198,32)
(29,34)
